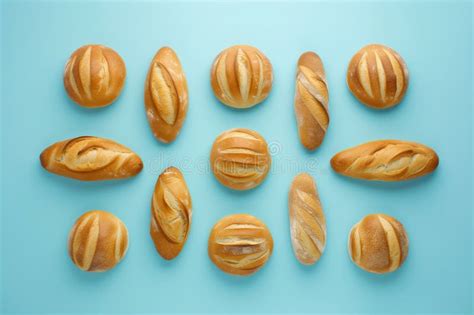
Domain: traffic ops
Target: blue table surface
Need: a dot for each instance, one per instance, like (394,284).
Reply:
(39,208)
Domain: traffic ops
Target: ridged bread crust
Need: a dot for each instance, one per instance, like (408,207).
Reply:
(378,244)
(386,160)
(240,244)
(91,158)
(240,158)
(378,76)
(166,95)
(311,100)
(98,241)
(307,220)
(171,213)
(94,76)
(241,76)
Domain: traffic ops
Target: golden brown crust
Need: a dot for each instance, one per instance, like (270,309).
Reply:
(166,95)
(311,100)
(241,76)
(240,244)
(171,213)
(378,244)
(98,241)
(240,158)
(377,76)
(90,159)
(386,160)
(307,221)
(94,76)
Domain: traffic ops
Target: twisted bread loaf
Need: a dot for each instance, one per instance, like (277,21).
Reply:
(91,158)
(378,243)
(98,241)
(311,100)
(386,160)
(240,244)
(166,95)
(94,76)
(241,76)
(307,221)
(171,213)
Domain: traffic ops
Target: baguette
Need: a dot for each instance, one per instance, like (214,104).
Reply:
(98,241)
(241,76)
(166,95)
(240,159)
(94,76)
(386,160)
(311,100)
(378,76)
(378,244)
(307,221)
(240,244)
(90,159)
(171,213)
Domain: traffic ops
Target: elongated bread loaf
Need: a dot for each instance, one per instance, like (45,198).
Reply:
(378,243)
(307,221)
(378,76)
(166,95)
(171,213)
(94,76)
(98,241)
(240,158)
(240,244)
(241,76)
(311,100)
(386,160)
(91,158)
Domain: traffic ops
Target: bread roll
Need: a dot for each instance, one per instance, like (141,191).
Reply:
(91,158)
(311,100)
(171,213)
(386,160)
(307,221)
(240,159)
(241,76)
(166,95)
(94,76)
(378,244)
(98,241)
(377,76)
(240,244)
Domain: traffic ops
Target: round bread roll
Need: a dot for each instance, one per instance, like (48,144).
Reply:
(98,241)
(240,158)
(240,244)
(377,76)
(378,244)
(94,76)
(241,76)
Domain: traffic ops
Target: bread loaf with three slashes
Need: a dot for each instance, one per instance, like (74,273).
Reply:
(386,160)
(90,159)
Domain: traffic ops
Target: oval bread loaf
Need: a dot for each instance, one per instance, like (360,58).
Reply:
(311,100)
(98,241)
(386,160)
(240,158)
(378,244)
(307,221)
(241,76)
(377,76)
(240,244)
(94,76)
(91,158)
(171,213)
(166,95)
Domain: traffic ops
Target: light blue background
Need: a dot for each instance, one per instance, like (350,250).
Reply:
(38,208)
